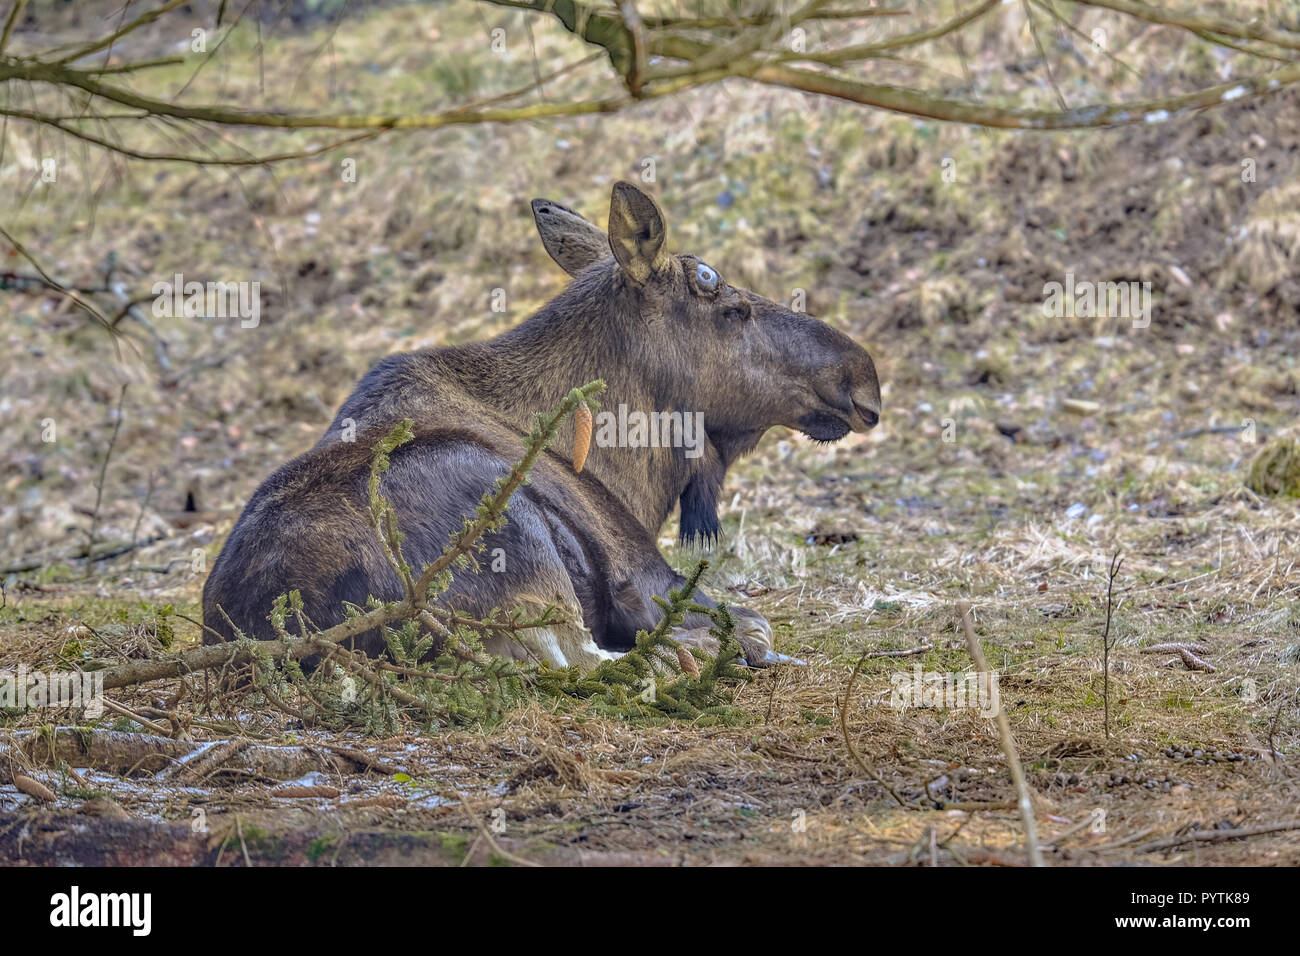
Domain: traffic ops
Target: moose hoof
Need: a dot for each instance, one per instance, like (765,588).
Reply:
(755,636)
(752,625)
(753,633)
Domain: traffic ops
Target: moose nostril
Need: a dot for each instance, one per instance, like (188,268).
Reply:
(868,407)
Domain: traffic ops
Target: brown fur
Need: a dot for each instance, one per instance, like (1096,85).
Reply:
(645,321)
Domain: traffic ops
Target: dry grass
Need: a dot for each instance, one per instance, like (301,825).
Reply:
(868,544)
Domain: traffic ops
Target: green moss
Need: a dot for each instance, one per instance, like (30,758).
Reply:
(455,844)
(1275,472)
(320,846)
(262,841)
(85,793)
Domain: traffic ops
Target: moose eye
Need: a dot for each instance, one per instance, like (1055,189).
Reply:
(707,278)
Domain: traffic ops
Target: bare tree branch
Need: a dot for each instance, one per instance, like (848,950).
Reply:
(14,13)
(654,57)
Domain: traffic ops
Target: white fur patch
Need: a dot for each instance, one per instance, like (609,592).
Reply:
(566,643)
(570,646)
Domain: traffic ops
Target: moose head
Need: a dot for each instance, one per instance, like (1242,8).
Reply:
(744,362)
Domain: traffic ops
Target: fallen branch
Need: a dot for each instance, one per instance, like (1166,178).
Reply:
(233,654)
(144,722)
(417,600)
(364,759)
(1124,841)
(298,793)
(125,753)
(206,760)
(1216,836)
(420,592)
(1214,430)
(907,652)
(114,550)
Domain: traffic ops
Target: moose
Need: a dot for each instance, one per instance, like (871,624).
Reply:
(666,332)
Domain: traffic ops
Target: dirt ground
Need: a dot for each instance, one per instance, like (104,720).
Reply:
(1017,454)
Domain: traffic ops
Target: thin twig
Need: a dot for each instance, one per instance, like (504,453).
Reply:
(10,22)
(1008,742)
(99,486)
(84,304)
(117,708)
(144,505)
(1106,643)
(867,768)
(906,652)
(1042,54)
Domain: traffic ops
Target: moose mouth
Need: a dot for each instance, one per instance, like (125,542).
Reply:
(829,426)
(823,426)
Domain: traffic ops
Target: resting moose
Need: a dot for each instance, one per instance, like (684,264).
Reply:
(667,333)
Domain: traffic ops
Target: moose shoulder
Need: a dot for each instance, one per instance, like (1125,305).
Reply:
(675,343)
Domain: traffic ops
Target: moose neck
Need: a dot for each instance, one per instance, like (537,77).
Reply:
(574,340)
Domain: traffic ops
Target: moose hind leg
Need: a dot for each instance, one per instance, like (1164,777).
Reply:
(564,643)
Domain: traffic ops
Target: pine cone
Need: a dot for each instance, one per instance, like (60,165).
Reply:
(581,435)
(34,788)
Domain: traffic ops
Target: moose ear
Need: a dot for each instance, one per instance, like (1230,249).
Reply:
(572,242)
(637,232)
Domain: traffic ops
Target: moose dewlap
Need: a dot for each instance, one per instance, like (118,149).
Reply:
(668,334)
